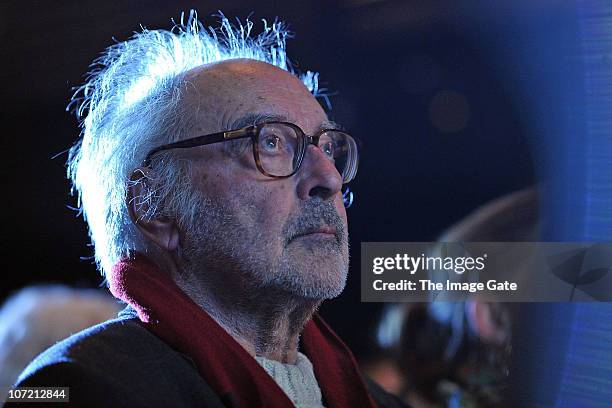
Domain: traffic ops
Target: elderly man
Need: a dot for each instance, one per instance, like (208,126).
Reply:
(210,178)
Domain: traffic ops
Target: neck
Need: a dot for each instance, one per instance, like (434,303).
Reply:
(267,322)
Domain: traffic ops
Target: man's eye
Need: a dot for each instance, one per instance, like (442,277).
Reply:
(328,149)
(271,143)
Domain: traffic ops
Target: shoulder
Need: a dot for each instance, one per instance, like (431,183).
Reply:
(118,363)
(108,347)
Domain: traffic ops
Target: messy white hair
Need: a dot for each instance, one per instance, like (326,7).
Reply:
(131,103)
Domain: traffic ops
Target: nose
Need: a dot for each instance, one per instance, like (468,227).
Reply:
(318,177)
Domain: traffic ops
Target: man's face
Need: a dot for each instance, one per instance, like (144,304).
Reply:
(253,231)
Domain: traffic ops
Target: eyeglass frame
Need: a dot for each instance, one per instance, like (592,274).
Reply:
(251,131)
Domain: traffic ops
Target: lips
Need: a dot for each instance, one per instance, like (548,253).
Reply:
(324,230)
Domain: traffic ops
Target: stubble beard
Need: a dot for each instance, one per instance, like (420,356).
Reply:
(228,256)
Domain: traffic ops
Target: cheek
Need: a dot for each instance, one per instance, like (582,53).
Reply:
(258,202)
(264,208)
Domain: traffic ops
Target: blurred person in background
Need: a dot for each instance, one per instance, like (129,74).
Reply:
(457,354)
(36,317)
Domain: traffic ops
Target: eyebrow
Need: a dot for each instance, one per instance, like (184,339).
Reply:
(255,118)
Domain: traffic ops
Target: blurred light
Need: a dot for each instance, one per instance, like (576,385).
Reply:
(390,328)
(449,111)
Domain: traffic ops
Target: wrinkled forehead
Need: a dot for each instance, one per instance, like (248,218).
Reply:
(223,93)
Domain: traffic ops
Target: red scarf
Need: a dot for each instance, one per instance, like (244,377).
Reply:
(165,310)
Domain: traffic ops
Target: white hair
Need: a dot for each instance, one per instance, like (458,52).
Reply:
(131,103)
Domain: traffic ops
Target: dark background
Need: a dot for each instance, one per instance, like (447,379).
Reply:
(430,87)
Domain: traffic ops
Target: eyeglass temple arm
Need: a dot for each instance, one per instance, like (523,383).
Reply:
(199,141)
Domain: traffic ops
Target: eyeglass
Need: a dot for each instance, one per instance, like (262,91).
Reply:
(279,148)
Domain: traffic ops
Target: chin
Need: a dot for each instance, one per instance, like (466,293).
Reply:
(315,280)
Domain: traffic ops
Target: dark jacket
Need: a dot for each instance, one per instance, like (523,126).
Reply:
(119,363)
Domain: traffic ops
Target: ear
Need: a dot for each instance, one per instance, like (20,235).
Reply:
(161,230)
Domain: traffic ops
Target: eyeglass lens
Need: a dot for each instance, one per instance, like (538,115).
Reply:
(279,147)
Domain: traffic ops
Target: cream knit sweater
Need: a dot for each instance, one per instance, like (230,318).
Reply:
(297,380)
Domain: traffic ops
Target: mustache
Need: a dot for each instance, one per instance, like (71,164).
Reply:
(315,214)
